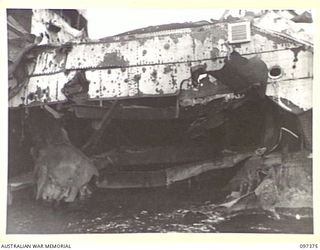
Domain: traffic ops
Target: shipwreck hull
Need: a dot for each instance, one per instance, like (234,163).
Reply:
(152,79)
(158,64)
(184,73)
(183,95)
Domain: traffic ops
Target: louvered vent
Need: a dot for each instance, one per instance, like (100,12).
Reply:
(239,32)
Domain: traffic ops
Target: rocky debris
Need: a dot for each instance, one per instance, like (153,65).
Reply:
(192,217)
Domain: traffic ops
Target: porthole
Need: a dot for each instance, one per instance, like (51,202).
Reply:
(275,72)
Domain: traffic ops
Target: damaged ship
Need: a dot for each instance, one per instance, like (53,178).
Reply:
(163,104)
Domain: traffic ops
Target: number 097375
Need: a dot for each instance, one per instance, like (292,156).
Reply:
(308,246)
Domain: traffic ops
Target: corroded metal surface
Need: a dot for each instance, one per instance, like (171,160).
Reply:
(199,44)
(51,60)
(137,81)
(158,63)
(44,88)
(54,27)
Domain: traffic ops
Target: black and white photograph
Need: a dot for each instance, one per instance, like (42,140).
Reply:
(159,121)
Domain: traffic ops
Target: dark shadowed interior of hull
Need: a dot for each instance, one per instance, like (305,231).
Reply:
(244,127)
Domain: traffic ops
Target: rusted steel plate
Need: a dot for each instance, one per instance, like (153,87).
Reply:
(261,39)
(296,63)
(163,79)
(108,82)
(111,83)
(47,88)
(155,80)
(137,81)
(193,44)
(293,95)
(49,61)
(153,50)
(156,64)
